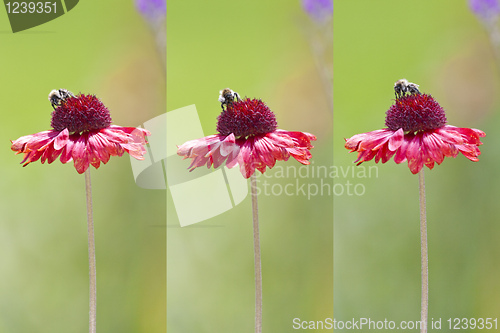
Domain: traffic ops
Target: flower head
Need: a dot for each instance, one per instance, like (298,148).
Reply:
(245,118)
(416,132)
(248,137)
(82,133)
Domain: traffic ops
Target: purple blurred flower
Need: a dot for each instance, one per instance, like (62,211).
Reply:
(319,10)
(152,9)
(485,9)
(154,13)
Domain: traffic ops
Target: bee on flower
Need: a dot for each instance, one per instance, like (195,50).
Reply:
(248,136)
(416,132)
(81,132)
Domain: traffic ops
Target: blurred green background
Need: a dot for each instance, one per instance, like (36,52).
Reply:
(263,50)
(105,48)
(443,47)
(259,49)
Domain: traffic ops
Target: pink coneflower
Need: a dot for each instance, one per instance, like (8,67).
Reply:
(248,137)
(82,133)
(416,132)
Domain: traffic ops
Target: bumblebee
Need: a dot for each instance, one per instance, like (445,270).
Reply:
(227,96)
(56,97)
(403,87)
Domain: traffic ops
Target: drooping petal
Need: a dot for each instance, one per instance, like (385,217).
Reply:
(434,146)
(98,144)
(80,154)
(245,160)
(396,140)
(368,144)
(414,154)
(61,140)
(400,155)
(50,154)
(228,145)
(67,152)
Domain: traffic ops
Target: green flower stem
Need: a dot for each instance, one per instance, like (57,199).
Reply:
(92,270)
(257,261)
(424,255)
